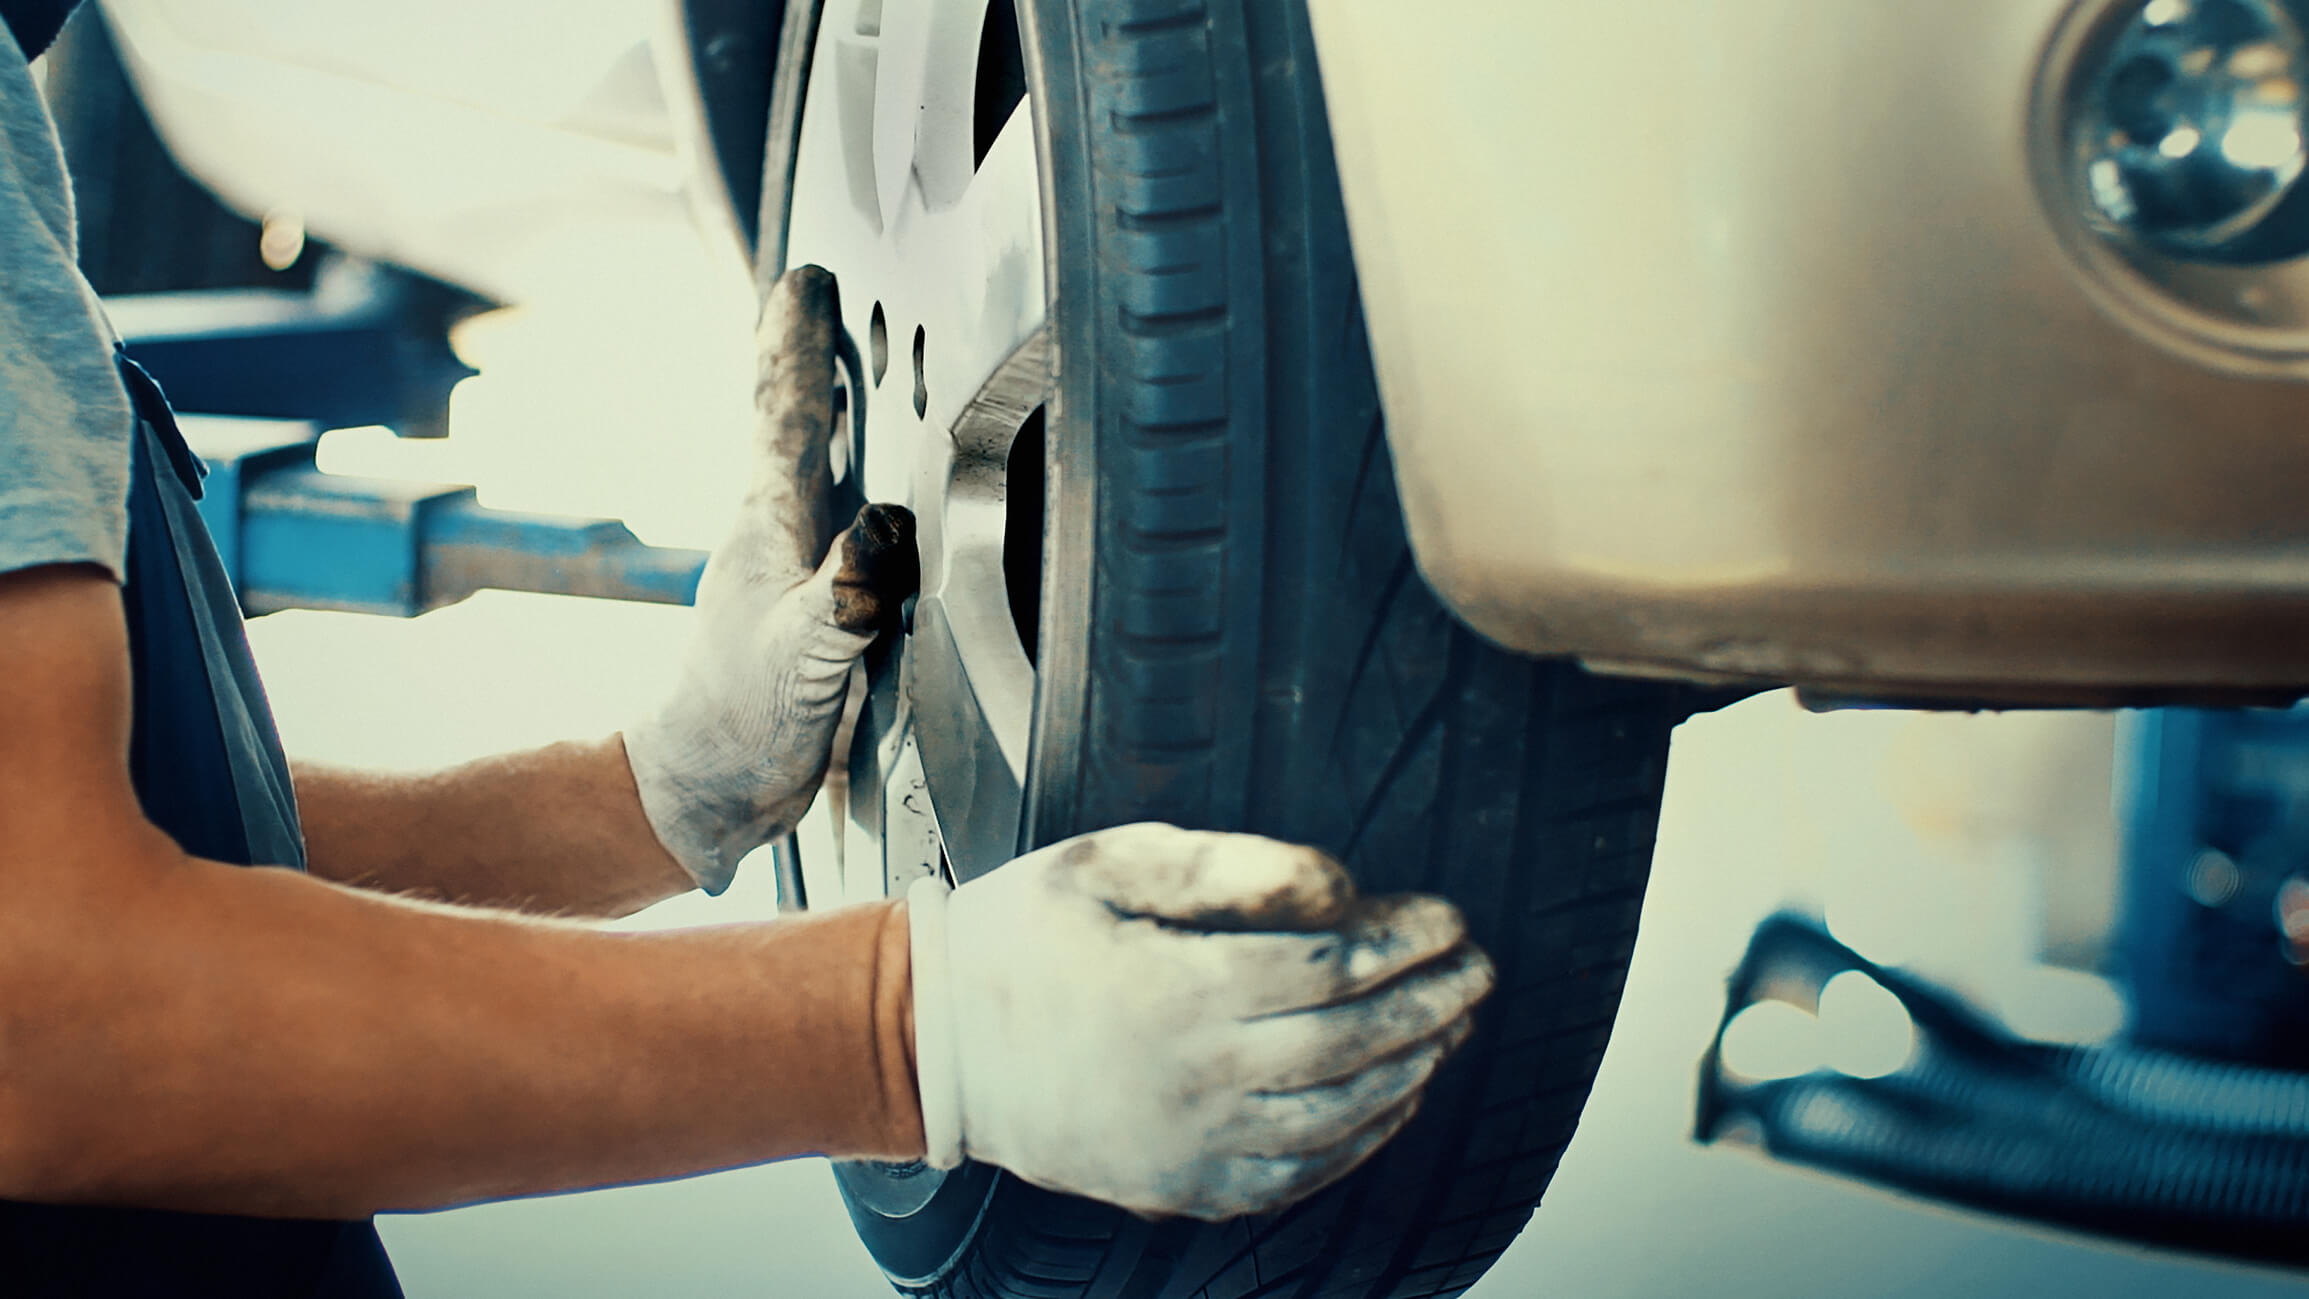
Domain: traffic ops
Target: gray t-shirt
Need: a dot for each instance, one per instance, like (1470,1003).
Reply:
(65,420)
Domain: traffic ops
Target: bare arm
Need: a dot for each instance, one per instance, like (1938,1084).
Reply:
(181,1034)
(557,830)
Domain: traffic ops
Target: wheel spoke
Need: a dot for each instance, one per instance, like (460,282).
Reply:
(835,152)
(923,102)
(961,720)
(898,99)
(977,271)
(972,686)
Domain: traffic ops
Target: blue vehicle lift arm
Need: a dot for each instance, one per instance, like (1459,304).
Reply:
(268,370)
(293,537)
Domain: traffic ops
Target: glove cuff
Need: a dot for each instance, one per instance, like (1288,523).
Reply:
(937,1051)
(673,810)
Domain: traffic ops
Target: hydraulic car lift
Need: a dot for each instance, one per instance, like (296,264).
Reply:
(294,537)
(266,372)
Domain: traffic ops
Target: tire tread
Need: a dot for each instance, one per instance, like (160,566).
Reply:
(1527,791)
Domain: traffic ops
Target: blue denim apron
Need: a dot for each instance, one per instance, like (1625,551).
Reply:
(209,770)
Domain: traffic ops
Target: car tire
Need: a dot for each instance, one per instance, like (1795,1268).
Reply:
(1234,634)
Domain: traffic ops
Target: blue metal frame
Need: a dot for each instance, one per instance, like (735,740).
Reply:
(367,346)
(293,537)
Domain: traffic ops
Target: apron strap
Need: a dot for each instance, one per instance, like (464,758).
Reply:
(205,753)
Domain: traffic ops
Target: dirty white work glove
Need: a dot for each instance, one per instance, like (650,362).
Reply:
(1179,1022)
(734,757)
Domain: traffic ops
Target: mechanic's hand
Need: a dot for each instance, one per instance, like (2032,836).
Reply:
(1180,1022)
(735,756)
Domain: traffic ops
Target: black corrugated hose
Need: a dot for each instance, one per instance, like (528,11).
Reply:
(2113,1140)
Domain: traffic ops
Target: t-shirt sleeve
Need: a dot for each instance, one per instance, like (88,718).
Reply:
(65,420)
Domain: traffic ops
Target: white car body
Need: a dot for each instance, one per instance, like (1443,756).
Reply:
(1758,341)
(488,145)
(1744,342)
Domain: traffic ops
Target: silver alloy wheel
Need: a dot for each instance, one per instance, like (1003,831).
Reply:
(921,192)
(1231,634)
(939,256)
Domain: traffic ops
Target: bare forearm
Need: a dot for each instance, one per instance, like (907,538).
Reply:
(179,1034)
(557,830)
(255,1041)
